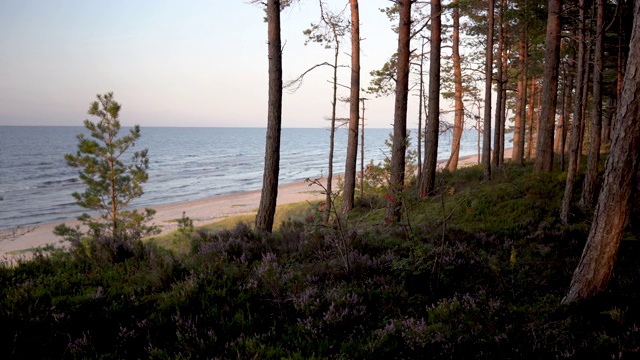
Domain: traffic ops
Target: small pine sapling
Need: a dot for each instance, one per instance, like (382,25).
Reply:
(111,183)
(185,227)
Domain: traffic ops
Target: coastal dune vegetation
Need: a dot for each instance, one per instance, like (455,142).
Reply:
(506,259)
(477,271)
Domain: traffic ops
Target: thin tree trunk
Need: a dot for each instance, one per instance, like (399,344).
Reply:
(568,93)
(620,64)
(595,136)
(362,149)
(421,96)
(495,160)
(531,118)
(427,183)
(519,126)
(425,143)
(334,103)
(524,104)
(399,146)
(560,123)
(267,208)
(354,112)
(458,122)
(607,130)
(544,149)
(596,264)
(486,144)
(112,185)
(503,105)
(576,125)
(538,112)
(585,97)
(478,128)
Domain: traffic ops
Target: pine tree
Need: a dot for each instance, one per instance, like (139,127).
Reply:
(594,271)
(348,194)
(398,151)
(269,195)
(111,183)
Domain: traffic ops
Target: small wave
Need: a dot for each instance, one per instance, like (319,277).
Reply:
(58,182)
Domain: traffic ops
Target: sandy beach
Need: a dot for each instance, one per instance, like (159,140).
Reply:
(202,211)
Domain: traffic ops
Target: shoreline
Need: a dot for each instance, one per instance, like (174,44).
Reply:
(201,211)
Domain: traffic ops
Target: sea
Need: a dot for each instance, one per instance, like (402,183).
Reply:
(184,164)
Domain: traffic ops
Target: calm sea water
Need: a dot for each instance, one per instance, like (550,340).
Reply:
(185,164)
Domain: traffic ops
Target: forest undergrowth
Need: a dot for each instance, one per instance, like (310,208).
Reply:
(476,270)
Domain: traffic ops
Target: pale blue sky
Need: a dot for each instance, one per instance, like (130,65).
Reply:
(171,63)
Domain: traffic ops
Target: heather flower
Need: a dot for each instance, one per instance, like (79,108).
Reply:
(388,196)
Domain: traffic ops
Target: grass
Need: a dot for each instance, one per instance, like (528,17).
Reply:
(178,244)
(475,271)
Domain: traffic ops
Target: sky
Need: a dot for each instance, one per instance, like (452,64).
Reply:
(174,63)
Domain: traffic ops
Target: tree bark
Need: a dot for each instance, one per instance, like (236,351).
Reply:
(334,103)
(495,160)
(620,63)
(458,122)
(521,101)
(503,104)
(531,118)
(559,126)
(399,146)
(596,264)
(566,106)
(421,97)
(354,112)
(486,143)
(591,175)
(362,149)
(267,207)
(544,149)
(585,98)
(427,183)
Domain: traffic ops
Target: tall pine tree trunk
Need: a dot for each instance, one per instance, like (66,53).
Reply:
(503,104)
(364,107)
(621,62)
(495,160)
(585,96)
(267,208)
(458,120)
(354,112)
(559,124)
(334,103)
(544,149)
(427,183)
(531,118)
(596,264)
(399,146)
(421,98)
(591,175)
(521,101)
(568,98)
(488,73)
